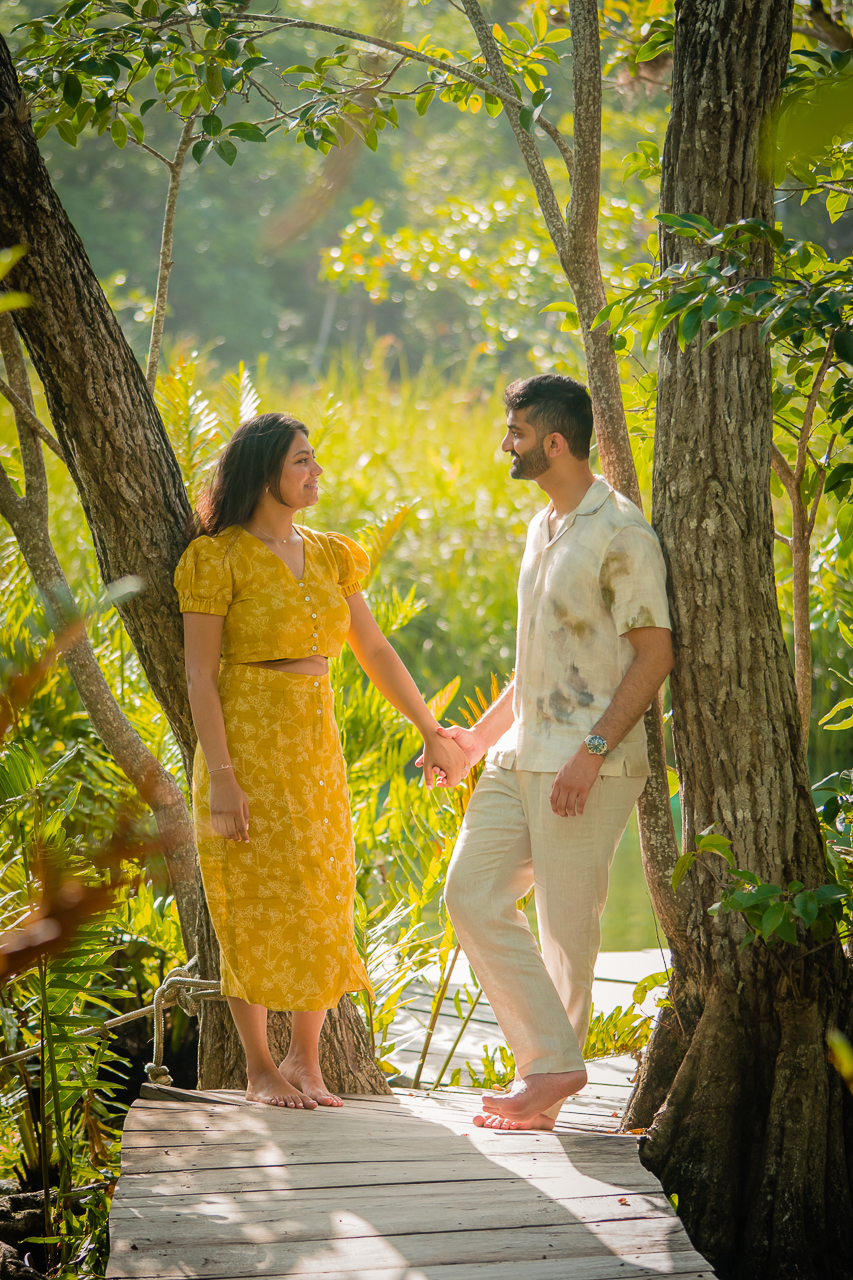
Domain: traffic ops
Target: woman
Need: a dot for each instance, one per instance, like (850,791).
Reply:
(266,603)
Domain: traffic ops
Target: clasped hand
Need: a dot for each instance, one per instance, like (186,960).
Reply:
(464,748)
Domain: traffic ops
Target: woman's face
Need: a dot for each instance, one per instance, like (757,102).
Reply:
(299,474)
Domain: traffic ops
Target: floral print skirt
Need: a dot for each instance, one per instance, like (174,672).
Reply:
(282,905)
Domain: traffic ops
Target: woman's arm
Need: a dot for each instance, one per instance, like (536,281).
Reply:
(383,666)
(229,808)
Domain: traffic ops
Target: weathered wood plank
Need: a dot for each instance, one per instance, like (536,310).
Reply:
(354,1244)
(269,1215)
(650,1266)
(560,1182)
(611,1175)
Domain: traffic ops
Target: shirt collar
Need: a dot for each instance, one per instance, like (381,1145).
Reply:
(593,500)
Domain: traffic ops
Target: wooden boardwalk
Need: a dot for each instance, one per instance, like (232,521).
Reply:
(402,1188)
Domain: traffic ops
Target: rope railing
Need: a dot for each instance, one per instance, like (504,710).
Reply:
(179,988)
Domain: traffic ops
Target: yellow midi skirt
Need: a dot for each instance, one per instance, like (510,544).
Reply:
(282,905)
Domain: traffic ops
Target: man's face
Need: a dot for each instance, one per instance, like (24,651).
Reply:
(529,459)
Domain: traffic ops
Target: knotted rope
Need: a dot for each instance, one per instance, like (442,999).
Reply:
(182,989)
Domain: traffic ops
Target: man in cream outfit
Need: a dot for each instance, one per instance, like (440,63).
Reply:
(566,751)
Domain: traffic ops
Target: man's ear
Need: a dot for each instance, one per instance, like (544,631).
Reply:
(556,444)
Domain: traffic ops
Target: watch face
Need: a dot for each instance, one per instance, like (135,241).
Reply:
(597,745)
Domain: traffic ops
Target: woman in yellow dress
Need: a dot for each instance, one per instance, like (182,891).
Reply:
(266,603)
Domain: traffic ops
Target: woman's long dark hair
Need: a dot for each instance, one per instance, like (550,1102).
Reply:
(252,460)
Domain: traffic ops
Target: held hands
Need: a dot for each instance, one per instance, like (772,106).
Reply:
(460,746)
(573,783)
(229,808)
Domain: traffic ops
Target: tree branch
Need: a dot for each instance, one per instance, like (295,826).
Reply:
(176,169)
(526,143)
(808,413)
(509,99)
(35,424)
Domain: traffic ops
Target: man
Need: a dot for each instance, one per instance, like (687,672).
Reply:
(566,751)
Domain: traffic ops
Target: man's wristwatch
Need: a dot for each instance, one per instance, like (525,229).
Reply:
(596,745)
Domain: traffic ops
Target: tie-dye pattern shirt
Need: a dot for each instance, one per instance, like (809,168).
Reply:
(579,593)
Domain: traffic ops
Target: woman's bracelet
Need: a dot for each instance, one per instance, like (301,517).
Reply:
(220,767)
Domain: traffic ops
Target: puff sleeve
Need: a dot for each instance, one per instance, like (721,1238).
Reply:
(203,578)
(353,562)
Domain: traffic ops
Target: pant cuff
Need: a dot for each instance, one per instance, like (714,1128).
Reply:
(569,1060)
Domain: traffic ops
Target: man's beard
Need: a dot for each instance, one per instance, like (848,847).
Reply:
(529,465)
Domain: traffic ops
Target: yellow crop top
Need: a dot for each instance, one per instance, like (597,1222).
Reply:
(268,613)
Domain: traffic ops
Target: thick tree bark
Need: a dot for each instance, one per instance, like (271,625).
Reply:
(118,454)
(753,1130)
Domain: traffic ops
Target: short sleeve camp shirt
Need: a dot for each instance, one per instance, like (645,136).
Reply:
(579,593)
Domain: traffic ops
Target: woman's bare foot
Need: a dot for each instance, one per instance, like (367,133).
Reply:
(501,1122)
(309,1079)
(272,1089)
(529,1098)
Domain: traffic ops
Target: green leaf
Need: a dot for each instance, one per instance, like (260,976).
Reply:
(211,18)
(689,325)
(66,133)
(201,149)
(251,63)
(118,133)
(147,105)
(162,79)
(773,917)
(526,118)
(212,126)
(727,319)
(494,106)
(682,866)
(837,476)
(135,125)
(672,781)
(806,907)
(225,150)
(247,132)
(72,90)
(423,100)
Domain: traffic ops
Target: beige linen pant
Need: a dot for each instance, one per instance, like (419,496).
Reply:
(512,839)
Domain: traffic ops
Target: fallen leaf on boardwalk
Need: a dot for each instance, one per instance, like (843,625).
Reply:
(623,1199)
(636,1131)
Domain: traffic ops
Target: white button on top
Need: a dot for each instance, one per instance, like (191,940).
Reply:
(331,859)
(326,820)
(337,897)
(313,648)
(313,615)
(322,783)
(319,711)
(307,599)
(316,684)
(302,584)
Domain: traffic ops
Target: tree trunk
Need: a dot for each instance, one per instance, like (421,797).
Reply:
(749,1126)
(120,460)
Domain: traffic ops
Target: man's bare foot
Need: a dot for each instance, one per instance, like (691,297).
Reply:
(273,1090)
(529,1098)
(501,1122)
(309,1079)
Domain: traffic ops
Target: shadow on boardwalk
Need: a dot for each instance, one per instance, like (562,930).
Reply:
(401,1188)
